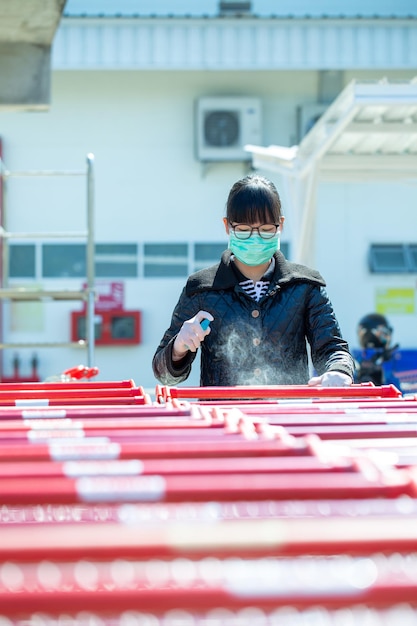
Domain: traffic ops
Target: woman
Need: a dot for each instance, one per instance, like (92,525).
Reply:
(252,313)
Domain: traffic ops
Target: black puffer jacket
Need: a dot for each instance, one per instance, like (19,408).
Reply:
(256,343)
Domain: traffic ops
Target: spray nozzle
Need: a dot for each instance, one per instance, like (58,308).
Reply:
(205,324)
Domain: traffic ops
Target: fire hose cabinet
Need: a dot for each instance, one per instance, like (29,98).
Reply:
(111,328)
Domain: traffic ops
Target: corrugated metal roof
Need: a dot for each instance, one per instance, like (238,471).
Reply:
(287,35)
(231,44)
(356,9)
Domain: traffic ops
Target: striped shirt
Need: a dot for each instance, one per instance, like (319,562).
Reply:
(255,290)
(258,289)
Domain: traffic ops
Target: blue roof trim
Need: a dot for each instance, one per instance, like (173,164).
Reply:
(288,9)
(240,17)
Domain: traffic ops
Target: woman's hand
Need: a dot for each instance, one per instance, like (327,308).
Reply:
(191,335)
(331,379)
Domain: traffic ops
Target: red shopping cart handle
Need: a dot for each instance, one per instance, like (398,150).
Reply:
(81,371)
(362,390)
(107,587)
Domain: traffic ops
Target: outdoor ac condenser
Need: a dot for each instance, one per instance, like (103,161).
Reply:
(307,116)
(224,125)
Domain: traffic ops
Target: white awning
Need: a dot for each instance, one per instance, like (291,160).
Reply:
(368,132)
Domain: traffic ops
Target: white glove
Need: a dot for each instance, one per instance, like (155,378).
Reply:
(331,379)
(191,335)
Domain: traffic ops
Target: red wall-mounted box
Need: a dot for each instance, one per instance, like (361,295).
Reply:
(111,328)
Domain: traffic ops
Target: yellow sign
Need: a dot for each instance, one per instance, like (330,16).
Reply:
(395,301)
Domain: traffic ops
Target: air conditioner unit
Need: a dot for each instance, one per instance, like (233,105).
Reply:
(307,116)
(224,125)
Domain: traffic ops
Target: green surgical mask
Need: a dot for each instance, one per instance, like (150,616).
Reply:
(254,250)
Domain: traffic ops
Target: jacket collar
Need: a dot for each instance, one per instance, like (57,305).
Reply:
(222,276)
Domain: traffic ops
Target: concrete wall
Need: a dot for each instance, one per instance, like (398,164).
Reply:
(150,187)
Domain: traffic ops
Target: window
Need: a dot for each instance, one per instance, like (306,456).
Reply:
(124,260)
(393,258)
(206,254)
(412,249)
(165,260)
(116,260)
(22,257)
(60,260)
(285,249)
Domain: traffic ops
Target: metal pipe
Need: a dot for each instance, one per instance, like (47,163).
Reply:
(50,235)
(4,248)
(44,344)
(38,173)
(34,294)
(90,261)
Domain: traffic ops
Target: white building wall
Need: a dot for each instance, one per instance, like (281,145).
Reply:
(150,188)
(350,217)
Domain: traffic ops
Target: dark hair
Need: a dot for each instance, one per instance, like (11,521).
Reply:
(369,336)
(253,199)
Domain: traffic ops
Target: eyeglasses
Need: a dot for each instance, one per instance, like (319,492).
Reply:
(244,231)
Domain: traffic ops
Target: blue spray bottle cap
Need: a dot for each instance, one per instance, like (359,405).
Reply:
(205,324)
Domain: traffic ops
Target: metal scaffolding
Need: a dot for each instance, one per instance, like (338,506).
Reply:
(25,294)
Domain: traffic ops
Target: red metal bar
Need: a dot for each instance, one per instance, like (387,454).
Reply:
(90,448)
(323,414)
(311,405)
(203,488)
(355,431)
(159,436)
(72,400)
(190,433)
(280,391)
(69,392)
(141,415)
(77,384)
(164,467)
(265,585)
(156,515)
(399,614)
(253,538)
